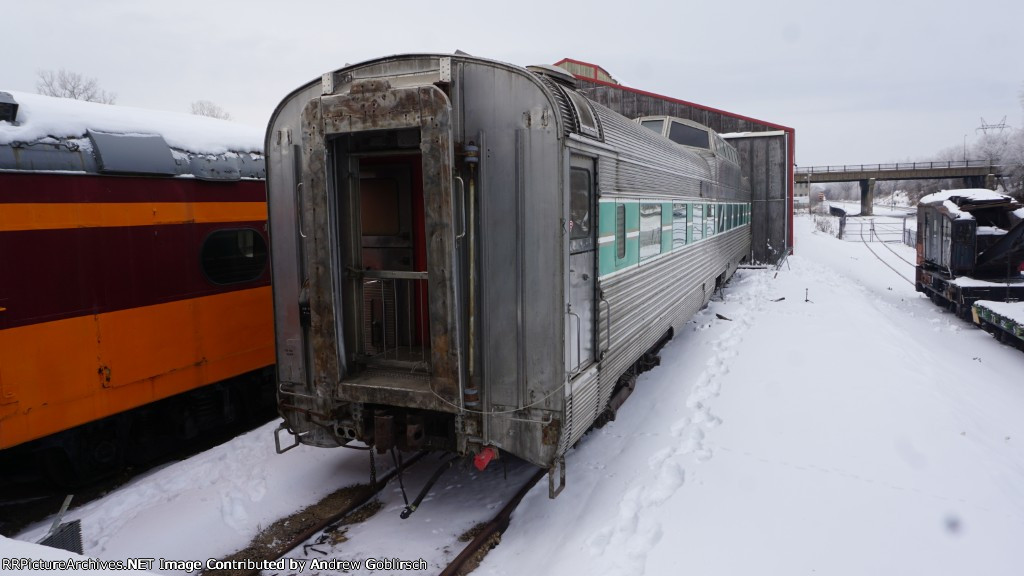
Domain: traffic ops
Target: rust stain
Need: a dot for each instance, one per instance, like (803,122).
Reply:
(551,433)
(104,372)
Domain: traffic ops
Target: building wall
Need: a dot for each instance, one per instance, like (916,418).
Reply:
(763,162)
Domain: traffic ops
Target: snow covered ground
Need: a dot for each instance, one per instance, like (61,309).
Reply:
(836,423)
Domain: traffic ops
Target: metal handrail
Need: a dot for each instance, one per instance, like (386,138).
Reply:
(898,166)
(579,355)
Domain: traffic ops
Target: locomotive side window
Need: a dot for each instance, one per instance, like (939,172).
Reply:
(650,230)
(620,231)
(678,225)
(580,236)
(233,256)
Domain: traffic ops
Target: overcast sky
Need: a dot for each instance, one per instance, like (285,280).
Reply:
(861,82)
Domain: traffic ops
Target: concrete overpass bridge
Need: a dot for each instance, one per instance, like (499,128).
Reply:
(974,173)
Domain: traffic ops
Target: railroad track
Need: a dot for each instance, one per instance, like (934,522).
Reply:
(882,260)
(490,534)
(363,529)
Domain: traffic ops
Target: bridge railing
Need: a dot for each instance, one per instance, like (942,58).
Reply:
(898,166)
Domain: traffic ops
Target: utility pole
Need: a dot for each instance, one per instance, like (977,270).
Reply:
(984,128)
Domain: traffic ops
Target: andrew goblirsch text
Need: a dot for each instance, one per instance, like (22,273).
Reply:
(292,564)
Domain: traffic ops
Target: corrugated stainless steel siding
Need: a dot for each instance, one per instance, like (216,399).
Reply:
(648,165)
(647,301)
(582,407)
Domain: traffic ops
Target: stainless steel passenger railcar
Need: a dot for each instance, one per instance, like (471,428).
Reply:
(472,256)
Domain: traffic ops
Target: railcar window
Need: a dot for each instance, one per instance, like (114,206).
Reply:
(580,234)
(654,125)
(233,256)
(620,231)
(588,122)
(709,221)
(697,226)
(688,135)
(650,230)
(678,225)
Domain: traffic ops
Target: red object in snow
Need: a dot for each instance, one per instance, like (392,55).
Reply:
(484,457)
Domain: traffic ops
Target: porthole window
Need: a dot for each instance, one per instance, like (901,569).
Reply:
(234,256)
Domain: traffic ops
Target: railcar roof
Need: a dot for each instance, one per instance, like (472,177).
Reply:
(965,196)
(960,203)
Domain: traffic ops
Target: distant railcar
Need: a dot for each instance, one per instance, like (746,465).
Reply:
(970,247)
(133,270)
(474,257)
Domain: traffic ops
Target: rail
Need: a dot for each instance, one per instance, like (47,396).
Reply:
(899,166)
(304,525)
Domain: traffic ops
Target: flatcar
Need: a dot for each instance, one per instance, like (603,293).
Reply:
(473,257)
(1004,320)
(970,247)
(135,304)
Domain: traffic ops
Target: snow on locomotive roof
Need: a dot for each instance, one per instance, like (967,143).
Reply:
(41,117)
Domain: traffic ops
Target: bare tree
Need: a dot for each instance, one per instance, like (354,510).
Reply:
(207,108)
(991,147)
(1014,157)
(843,191)
(66,84)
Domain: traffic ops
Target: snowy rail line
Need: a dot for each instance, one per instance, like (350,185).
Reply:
(311,522)
(837,423)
